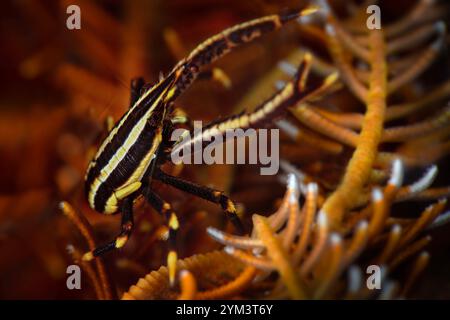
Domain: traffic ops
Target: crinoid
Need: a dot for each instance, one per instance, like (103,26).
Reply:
(365,163)
(370,67)
(383,120)
(313,261)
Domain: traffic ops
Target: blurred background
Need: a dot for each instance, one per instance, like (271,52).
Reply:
(58,86)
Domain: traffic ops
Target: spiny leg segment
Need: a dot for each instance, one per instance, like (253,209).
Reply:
(203,192)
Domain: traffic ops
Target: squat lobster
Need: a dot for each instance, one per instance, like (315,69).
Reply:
(138,145)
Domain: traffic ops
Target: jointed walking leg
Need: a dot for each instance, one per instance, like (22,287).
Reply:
(220,44)
(127,224)
(203,192)
(165,209)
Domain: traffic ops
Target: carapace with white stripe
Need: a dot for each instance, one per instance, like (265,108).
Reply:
(132,153)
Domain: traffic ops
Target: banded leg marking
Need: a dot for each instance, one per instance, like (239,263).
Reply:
(293,92)
(126,227)
(165,209)
(220,44)
(203,192)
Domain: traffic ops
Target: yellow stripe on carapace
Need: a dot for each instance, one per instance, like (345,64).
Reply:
(113,132)
(121,152)
(127,190)
(134,180)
